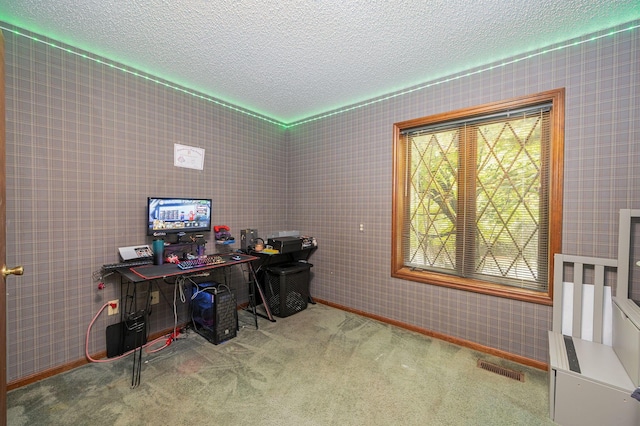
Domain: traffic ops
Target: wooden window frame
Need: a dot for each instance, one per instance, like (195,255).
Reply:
(555,188)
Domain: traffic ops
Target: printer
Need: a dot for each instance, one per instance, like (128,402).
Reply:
(285,244)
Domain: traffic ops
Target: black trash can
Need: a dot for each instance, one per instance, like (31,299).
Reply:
(287,288)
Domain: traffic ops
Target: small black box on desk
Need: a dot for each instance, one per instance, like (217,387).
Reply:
(285,244)
(287,288)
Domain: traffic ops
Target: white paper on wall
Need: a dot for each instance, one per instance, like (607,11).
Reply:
(188,156)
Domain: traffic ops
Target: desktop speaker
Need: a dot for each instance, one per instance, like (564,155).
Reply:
(247,238)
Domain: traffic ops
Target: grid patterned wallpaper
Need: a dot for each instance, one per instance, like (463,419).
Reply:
(86,144)
(341,177)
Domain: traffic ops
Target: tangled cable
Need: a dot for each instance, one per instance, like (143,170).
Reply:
(167,339)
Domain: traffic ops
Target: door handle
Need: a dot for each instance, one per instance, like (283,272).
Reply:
(18,270)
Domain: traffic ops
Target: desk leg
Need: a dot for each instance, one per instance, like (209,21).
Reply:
(262,297)
(252,303)
(137,367)
(135,323)
(140,338)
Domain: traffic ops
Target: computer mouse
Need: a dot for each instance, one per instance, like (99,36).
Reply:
(236,257)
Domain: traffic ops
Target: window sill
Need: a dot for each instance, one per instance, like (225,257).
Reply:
(476,286)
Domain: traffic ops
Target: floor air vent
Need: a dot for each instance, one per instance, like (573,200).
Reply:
(506,372)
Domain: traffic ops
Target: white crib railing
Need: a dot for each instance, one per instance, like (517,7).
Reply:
(587,383)
(579,309)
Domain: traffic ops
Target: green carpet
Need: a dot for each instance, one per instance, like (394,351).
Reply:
(321,366)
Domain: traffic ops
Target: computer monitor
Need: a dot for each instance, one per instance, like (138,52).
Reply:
(178,215)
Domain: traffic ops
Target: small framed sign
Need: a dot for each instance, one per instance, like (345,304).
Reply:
(188,156)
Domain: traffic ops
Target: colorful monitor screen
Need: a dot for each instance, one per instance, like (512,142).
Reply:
(175,215)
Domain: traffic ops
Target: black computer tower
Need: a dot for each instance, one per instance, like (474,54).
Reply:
(214,312)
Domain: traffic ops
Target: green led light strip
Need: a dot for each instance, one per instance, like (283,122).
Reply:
(325,115)
(457,77)
(146,77)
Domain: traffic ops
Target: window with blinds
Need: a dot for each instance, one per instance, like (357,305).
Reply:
(476,191)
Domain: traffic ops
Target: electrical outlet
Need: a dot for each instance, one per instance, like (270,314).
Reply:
(155,297)
(113,311)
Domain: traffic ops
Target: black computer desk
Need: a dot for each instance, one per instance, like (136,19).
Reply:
(271,259)
(148,273)
(145,275)
(267,259)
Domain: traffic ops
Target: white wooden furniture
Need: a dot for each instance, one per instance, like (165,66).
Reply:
(588,385)
(626,319)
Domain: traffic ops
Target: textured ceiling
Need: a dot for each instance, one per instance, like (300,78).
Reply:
(292,59)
